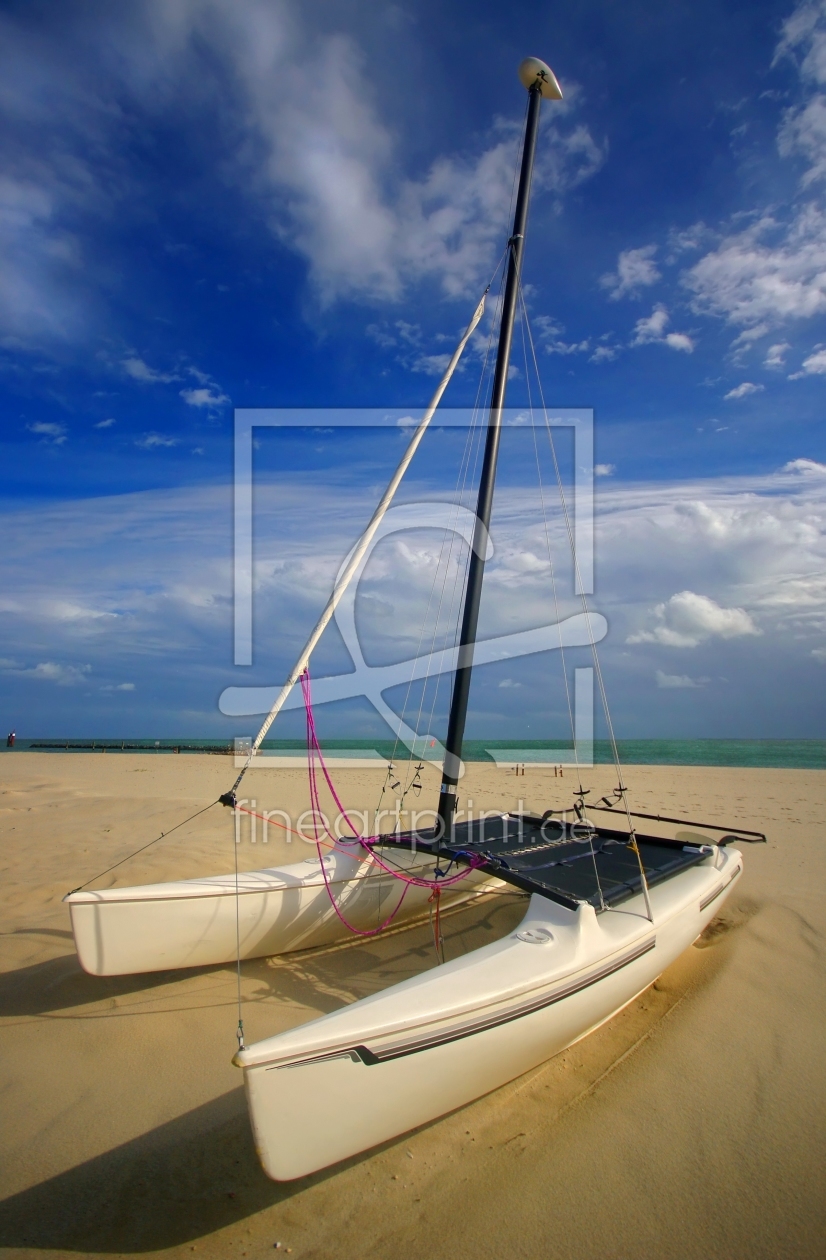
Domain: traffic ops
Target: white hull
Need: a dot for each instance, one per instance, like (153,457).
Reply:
(362,1075)
(192,923)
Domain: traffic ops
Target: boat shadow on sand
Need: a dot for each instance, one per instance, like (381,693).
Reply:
(192,1176)
(322,979)
(352,970)
(176,1185)
(199,1173)
(61,984)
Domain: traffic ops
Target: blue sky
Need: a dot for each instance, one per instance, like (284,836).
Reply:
(207,205)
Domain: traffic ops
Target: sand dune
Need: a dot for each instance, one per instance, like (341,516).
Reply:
(691,1125)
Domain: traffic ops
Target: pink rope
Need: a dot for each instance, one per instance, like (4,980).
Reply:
(314,754)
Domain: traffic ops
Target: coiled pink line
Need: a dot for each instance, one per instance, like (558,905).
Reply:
(314,752)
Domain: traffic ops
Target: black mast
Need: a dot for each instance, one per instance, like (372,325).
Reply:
(540,82)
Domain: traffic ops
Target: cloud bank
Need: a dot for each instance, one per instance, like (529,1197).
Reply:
(139,587)
(289,118)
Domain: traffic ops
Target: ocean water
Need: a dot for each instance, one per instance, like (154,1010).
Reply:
(792,754)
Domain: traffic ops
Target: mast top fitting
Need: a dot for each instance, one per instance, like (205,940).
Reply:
(534,73)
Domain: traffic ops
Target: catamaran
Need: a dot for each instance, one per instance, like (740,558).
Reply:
(610,905)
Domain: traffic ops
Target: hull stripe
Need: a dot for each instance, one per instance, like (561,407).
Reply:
(371,1058)
(712,896)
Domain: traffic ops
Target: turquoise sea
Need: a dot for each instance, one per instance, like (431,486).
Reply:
(796,754)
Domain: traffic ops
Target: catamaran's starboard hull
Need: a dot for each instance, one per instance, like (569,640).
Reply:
(192,923)
(389,1063)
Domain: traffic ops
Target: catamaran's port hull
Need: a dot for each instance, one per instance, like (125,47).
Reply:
(389,1063)
(192,923)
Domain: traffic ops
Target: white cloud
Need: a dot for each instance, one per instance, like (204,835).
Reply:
(151,441)
(381,336)
(803,131)
(408,340)
(127,686)
(328,180)
(743,390)
(808,467)
(51,671)
(687,619)
(819,654)
(774,269)
(328,172)
(209,394)
(744,340)
(430,364)
(765,274)
(635,270)
(156,570)
(679,341)
(68,610)
(51,608)
(204,397)
(815,365)
(140,371)
(686,240)
(603,354)
(604,470)
(550,334)
(42,295)
(52,434)
(509,683)
(805,26)
(678,682)
(514,563)
(651,329)
(776,355)
(105,424)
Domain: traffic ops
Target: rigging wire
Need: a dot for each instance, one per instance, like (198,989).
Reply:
(448,544)
(460,571)
(462,477)
(443,565)
(240,1030)
(524,323)
(448,534)
(143,847)
(460,586)
(481,403)
(472,447)
(621,790)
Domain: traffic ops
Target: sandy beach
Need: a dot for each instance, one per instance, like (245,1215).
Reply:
(689,1126)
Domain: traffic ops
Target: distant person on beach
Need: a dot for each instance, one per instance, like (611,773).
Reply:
(10,738)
